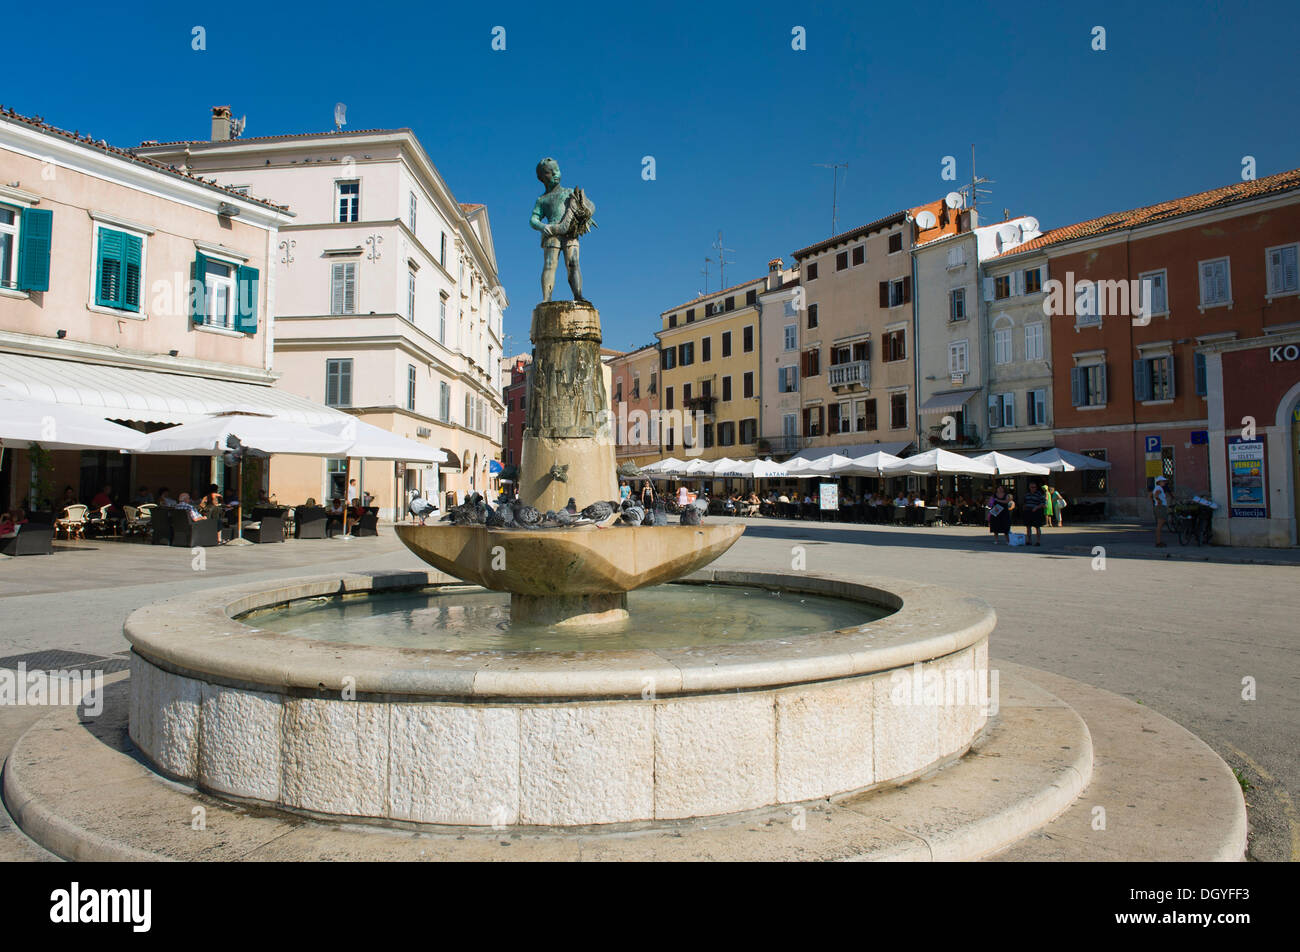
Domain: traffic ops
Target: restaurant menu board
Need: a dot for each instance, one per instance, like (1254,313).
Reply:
(828,496)
(1246,477)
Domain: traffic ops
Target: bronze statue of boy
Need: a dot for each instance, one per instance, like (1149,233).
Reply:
(562,215)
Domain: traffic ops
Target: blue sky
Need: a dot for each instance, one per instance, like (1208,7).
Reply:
(735,119)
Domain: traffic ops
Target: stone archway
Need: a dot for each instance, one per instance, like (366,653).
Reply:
(1288,442)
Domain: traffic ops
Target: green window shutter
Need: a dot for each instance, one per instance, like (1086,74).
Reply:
(247,286)
(197,272)
(36,229)
(1141,380)
(132,248)
(108,291)
(1202,387)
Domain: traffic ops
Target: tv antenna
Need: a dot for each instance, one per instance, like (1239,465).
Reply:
(722,261)
(340,116)
(972,192)
(705,271)
(835,182)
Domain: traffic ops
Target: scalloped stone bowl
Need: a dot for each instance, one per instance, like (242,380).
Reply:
(533,738)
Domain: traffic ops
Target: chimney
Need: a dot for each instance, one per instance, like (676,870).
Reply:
(220,123)
(774,273)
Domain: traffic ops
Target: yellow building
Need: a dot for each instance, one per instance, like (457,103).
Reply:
(709,370)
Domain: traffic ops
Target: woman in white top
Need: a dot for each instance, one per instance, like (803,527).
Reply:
(1160,502)
(683,496)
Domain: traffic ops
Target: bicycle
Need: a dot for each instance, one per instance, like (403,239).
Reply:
(1192,522)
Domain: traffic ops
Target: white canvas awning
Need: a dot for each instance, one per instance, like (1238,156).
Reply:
(939,462)
(1063,461)
(212,437)
(1011,466)
(852,450)
(150,396)
(954,401)
(24,421)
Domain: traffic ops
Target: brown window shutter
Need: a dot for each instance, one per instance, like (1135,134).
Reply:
(806,414)
(907,289)
(835,423)
(803,364)
(884,294)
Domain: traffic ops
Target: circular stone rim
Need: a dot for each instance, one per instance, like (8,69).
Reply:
(198,635)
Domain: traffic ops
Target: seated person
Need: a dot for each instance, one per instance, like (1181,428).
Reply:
(102,498)
(919,502)
(69,498)
(184,503)
(310,503)
(165,498)
(900,501)
(211,503)
(143,497)
(11,522)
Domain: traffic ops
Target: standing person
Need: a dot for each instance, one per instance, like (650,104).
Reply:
(1035,513)
(1049,506)
(683,496)
(647,495)
(1000,505)
(1058,505)
(1160,502)
(624,491)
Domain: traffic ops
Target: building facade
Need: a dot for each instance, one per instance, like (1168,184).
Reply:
(1131,298)
(514,374)
(634,396)
(389,305)
(709,375)
(781,318)
(134,291)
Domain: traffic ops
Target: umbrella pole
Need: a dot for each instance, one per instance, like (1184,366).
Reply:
(347,472)
(239,501)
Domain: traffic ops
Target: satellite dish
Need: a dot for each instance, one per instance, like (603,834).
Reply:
(237,127)
(1009,234)
(926,220)
(953,200)
(1030,225)
(340,115)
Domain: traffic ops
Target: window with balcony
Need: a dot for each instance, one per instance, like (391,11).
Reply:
(348,196)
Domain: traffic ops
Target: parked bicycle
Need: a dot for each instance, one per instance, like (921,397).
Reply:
(1193,521)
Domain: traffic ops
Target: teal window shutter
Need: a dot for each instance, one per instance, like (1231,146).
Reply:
(108,291)
(1202,387)
(198,272)
(248,287)
(36,229)
(131,264)
(1141,380)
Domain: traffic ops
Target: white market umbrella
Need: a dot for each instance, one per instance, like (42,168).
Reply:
(1063,461)
(761,469)
(211,436)
(24,421)
(940,463)
(872,464)
(725,467)
(371,442)
(697,467)
(822,466)
(1011,466)
(663,467)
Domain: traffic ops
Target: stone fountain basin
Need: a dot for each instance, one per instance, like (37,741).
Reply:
(579,561)
(403,736)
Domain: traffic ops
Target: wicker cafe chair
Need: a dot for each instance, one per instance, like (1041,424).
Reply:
(72,523)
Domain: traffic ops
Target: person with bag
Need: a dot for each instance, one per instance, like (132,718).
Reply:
(1058,506)
(1000,505)
(1035,512)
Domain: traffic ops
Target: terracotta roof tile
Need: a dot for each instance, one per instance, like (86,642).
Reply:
(330,133)
(1163,211)
(712,294)
(896,217)
(39,124)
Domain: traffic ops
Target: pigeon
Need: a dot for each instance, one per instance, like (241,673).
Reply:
(506,513)
(598,511)
(564,517)
(690,516)
(420,508)
(549,520)
(527,517)
(632,516)
(496,519)
(571,507)
(648,518)
(660,517)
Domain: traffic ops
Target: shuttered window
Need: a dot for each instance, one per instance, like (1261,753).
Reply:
(1282,274)
(118,270)
(343,288)
(25,235)
(338,383)
(1216,287)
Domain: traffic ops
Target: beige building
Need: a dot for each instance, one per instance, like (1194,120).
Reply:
(634,395)
(389,306)
(856,370)
(709,370)
(98,252)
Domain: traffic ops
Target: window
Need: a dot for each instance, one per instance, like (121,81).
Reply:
(444,402)
(731,303)
(1036,408)
(958,352)
(343,288)
(1034,341)
(791,337)
(1153,378)
(842,261)
(1216,283)
(668,357)
(748,339)
(726,389)
(708,435)
(748,431)
(957,304)
(862,350)
(672,320)
(410,296)
(726,343)
(686,394)
(1094,480)
(859,254)
(787,379)
(410,386)
(468,419)
(812,316)
(706,349)
(668,398)
(1033,280)
(894,346)
(442,251)
(897,411)
(654,383)
(1002,287)
(442,320)
(1282,274)
(866,413)
(1002,410)
(790,425)
(218,294)
(412,207)
(751,298)
(118,274)
(812,420)
(896,242)
(25,249)
(338,383)
(1088,386)
(727,433)
(1086,309)
(956,257)
(686,354)
(899,292)
(1154,292)
(1002,345)
(841,355)
(748,380)
(349,200)
(618,389)
(842,417)
(812,271)
(812,362)
(1202,383)
(690,316)
(668,443)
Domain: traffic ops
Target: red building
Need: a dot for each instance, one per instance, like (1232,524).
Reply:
(1132,296)
(512,436)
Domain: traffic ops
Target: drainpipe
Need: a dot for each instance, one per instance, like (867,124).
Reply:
(916,348)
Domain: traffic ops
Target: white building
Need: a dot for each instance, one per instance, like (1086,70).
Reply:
(780,333)
(388,304)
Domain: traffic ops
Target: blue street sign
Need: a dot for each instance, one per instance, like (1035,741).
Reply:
(1153,444)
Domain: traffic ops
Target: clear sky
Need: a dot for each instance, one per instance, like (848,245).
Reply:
(735,119)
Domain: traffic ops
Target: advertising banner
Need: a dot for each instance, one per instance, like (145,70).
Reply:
(1246,499)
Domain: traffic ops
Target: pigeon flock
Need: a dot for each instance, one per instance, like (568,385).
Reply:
(475,511)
